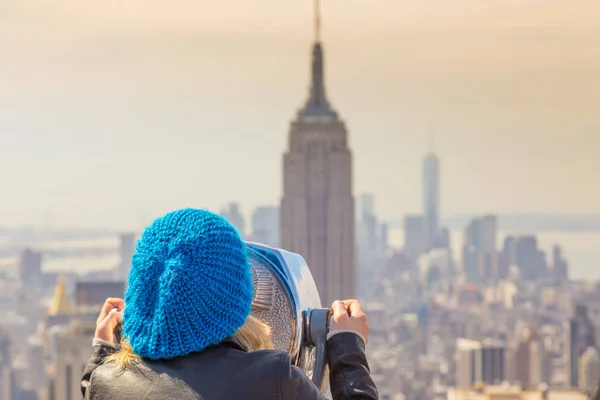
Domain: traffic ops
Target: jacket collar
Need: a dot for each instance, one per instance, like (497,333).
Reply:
(231,342)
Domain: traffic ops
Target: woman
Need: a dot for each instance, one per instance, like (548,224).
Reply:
(188,333)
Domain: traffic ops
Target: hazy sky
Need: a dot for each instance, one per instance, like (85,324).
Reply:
(113,112)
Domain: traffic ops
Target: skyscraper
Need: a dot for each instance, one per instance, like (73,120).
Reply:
(523,252)
(493,362)
(30,265)
(560,266)
(416,239)
(480,361)
(6,373)
(371,239)
(72,349)
(481,233)
(532,362)
(265,225)
(233,214)
(479,250)
(589,370)
(431,195)
(468,366)
(93,294)
(579,336)
(365,205)
(126,252)
(317,208)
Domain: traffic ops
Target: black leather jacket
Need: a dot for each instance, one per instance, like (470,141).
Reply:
(226,372)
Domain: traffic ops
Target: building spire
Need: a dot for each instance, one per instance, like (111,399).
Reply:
(317,104)
(317,11)
(61,304)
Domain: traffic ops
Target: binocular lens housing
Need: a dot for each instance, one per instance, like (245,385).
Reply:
(287,300)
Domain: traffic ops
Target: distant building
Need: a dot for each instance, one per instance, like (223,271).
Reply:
(265,226)
(532,362)
(540,372)
(61,309)
(579,336)
(473,262)
(93,294)
(435,268)
(372,235)
(560,267)
(443,239)
(398,263)
(467,363)
(378,314)
(7,386)
(233,214)
(126,252)
(367,233)
(470,295)
(550,297)
(523,253)
(371,244)
(36,374)
(480,362)
(73,350)
(30,265)
(384,235)
(431,196)
(493,362)
(481,233)
(589,370)
(61,303)
(365,206)
(480,257)
(416,239)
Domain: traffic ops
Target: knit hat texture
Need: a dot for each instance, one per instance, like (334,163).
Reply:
(189,287)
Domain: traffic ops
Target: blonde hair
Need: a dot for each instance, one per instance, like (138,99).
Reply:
(252,336)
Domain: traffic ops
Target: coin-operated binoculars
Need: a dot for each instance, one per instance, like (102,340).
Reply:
(286,298)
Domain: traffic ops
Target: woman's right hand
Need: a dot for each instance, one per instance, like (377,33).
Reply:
(348,315)
(109,318)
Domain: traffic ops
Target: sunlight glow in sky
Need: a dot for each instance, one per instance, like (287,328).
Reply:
(112,113)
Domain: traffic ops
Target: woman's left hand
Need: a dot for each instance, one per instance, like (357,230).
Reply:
(110,317)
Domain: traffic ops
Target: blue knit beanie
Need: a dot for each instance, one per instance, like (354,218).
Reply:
(190,285)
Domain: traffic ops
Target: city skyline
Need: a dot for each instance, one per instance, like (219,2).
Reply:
(454,116)
(130,122)
(446,180)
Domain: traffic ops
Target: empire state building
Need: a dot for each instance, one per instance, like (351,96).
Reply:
(317,208)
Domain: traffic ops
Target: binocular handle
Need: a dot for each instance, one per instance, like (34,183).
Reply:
(318,328)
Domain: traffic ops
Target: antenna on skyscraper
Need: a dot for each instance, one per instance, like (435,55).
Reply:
(317,21)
